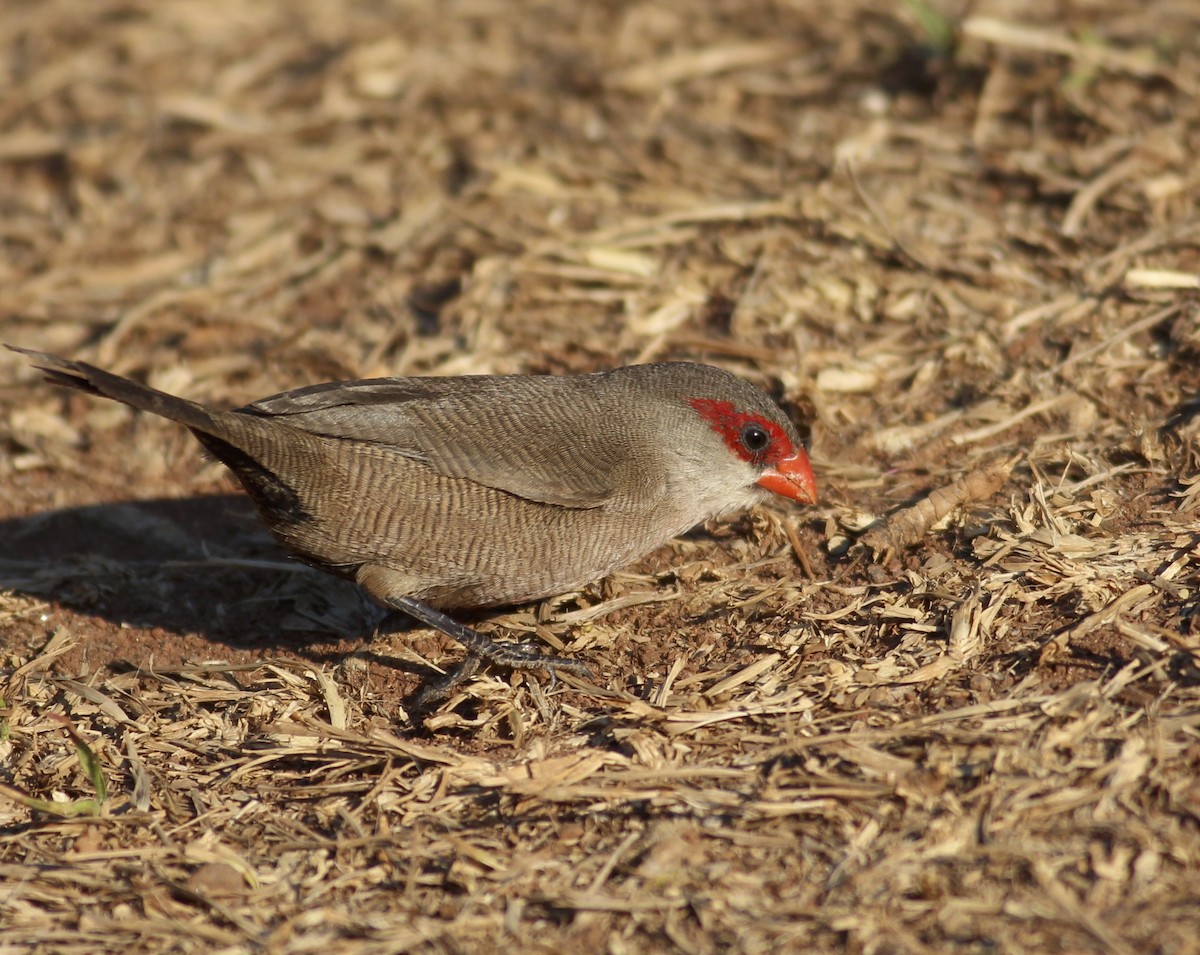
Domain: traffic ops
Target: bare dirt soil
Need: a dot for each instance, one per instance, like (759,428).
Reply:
(954,707)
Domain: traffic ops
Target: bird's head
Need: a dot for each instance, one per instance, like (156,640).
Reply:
(723,443)
(766,443)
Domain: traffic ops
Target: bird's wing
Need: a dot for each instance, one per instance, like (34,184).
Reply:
(500,432)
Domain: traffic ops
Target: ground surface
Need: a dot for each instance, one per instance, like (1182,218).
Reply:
(965,247)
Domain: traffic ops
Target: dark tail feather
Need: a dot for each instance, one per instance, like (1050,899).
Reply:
(97,381)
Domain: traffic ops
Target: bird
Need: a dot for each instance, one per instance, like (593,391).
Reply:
(440,494)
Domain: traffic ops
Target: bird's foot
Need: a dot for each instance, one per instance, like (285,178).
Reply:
(527,656)
(514,656)
(435,691)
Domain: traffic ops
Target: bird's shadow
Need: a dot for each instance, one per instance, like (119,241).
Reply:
(199,566)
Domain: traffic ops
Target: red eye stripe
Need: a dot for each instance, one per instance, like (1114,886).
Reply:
(728,422)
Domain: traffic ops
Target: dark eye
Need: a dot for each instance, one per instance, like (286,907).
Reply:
(754,438)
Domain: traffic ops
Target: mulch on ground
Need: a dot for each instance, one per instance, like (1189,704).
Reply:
(955,706)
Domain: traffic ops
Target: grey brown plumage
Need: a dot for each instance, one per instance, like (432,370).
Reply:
(487,490)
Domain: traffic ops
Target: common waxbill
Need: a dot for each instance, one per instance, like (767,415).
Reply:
(486,490)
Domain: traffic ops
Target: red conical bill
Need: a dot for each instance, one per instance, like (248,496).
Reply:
(793,478)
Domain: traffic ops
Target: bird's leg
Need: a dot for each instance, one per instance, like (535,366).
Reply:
(515,656)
